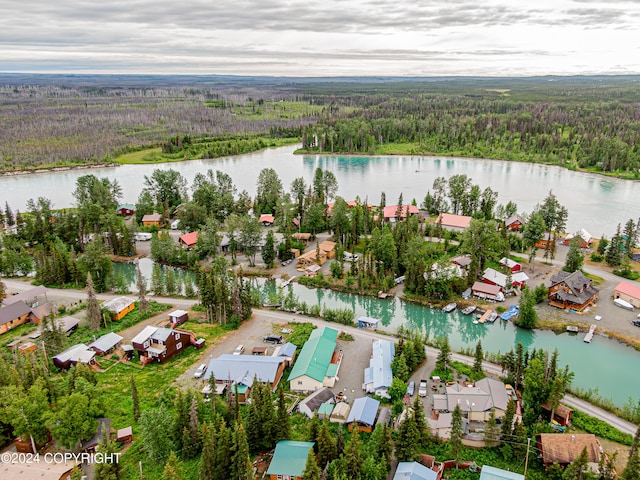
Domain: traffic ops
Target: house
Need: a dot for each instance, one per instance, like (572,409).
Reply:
(487,291)
(628,292)
(56,470)
(225,244)
(305,237)
(328,248)
(119,307)
(390,212)
(266,219)
(104,429)
(545,241)
(635,255)
(289,460)
(125,435)
(583,237)
(378,375)
(79,353)
(178,317)
(287,351)
(562,414)
(350,204)
(188,240)
(564,448)
(312,403)
(494,277)
(106,343)
(363,414)
(318,362)
(340,413)
(475,401)
(13,316)
(312,271)
(161,344)
(514,223)
(510,264)
(126,209)
(414,471)
(572,291)
(318,256)
(463,261)
(441,426)
(456,223)
(67,324)
(45,310)
(152,220)
(242,370)
(492,473)
(28,297)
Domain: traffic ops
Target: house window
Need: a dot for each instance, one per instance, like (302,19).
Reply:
(177,336)
(299,382)
(146,344)
(179,345)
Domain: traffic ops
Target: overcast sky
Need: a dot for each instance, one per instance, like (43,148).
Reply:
(321,37)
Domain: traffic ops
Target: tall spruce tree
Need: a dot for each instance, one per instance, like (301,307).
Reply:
(206,468)
(173,469)
(408,440)
(143,303)
(241,467)
(352,460)
(326,445)
(224,449)
(93,310)
(457,432)
(477,359)
(282,428)
(311,469)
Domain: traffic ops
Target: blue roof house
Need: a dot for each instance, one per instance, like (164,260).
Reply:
(414,471)
(378,376)
(363,414)
(492,473)
(289,460)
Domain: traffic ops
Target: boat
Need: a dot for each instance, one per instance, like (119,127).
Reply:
(469,310)
(513,311)
(485,316)
(572,329)
(450,307)
(475,322)
(492,317)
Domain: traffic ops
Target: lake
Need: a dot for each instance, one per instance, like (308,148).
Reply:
(595,202)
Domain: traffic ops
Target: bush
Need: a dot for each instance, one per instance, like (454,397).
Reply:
(596,257)
(599,428)
(540,293)
(301,333)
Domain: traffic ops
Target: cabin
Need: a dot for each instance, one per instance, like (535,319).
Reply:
(583,238)
(514,223)
(124,435)
(414,471)
(628,292)
(13,316)
(161,344)
(126,209)
(66,324)
(492,473)
(340,413)
(572,291)
(312,403)
(390,212)
(266,219)
(289,460)
(545,241)
(378,375)
(562,414)
(318,363)
(45,310)
(304,237)
(104,429)
(188,240)
(368,323)
(463,261)
(27,348)
(152,220)
(564,448)
(510,264)
(487,291)
(494,277)
(119,307)
(456,223)
(29,297)
(476,401)
(241,370)
(79,353)
(178,317)
(363,414)
(106,343)
(317,256)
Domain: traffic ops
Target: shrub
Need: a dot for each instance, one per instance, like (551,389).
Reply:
(596,257)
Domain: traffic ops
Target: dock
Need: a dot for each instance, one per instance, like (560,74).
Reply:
(484,316)
(589,336)
(572,329)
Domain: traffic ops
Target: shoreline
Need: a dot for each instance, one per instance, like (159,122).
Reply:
(29,171)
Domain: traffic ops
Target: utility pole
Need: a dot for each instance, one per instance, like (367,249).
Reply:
(526,460)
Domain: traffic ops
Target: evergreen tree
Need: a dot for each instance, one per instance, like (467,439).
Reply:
(457,432)
(340,441)
(381,445)
(269,249)
(352,460)
(143,303)
(613,255)
(282,428)
(477,359)
(8,215)
(189,291)
(181,418)
(528,316)
(408,440)
(173,469)
(519,440)
(311,469)
(632,469)
(420,420)
(93,310)
(156,427)
(157,280)
(326,445)
(107,470)
(241,467)
(491,430)
(224,448)
(206,468)
(579,469)
(575,257)
(170,285)
(135,400)
(314,428)
(191,443)
(444,356)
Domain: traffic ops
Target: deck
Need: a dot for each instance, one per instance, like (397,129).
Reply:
(589,336)
(484,316)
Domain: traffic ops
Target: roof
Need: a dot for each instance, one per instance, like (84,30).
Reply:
(266,218)
(44,310)
(581,289)
(341,410)
(451,220)
(325,409)
(286,350)
(414,471)
(178,313)
(628,289)
(242,369)
(118,304)
(144,334)
(124,432)
(390,210)
(508,262)
(564,448)
(189,238)
(379,374)
(79,353)
(364,410)
(36,470)
(514,218)
(317,398)
(483,396)
(316,353)
(13,311)
(106,342)
(126,206)
(492,473)
(26,295)
(485,288)
(161,334)
(67,323)
(301,236)
(500,278)
(462,260)
(327,246)
(104,426)
(368,320)
(443,421)
(289,458)
(152,217)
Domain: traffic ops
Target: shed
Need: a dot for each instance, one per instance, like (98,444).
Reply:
(28,297)
(363,414)
(79,353)
(266,219)
(125,435)
(312,403)
(384,416)
(340,413)
(259,350)
(27,347)
(153,219)
(119,306)
(368,322)
(106,343)
(129,351)
(288,351)
(510,264)
(178,317)
(126,209)
(628,292)
(188,240)
(67,324)
(325,410)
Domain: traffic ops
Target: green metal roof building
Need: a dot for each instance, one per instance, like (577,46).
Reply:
(314,362)
(289,459)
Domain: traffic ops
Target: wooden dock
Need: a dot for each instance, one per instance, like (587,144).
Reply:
(484,316)
(589,336)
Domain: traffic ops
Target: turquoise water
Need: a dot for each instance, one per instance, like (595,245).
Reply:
(128,271)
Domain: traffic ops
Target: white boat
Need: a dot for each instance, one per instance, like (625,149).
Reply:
(450,307)
(469,310)
(618,302)
(492,317)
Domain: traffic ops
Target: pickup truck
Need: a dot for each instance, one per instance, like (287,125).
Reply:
(422,390)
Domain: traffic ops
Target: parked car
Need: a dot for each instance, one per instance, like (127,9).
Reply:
(200,371)
(276,339)
(422,390)
(239,349)
(411,389)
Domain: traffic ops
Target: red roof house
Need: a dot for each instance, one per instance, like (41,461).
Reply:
(628,292)
(188,240)
(450,221)
(266,219)
(391,210)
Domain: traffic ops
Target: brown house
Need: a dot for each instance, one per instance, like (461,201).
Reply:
(153,219)
(188,240)
(514,223)
(564,448)
(13,316)
(545,241)
(161,344)
(572,291)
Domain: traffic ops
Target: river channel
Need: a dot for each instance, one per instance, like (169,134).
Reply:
(604,364)
(595,202)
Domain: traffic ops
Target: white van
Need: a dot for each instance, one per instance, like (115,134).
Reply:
(142,237)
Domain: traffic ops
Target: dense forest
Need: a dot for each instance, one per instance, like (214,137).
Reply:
(578,122)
